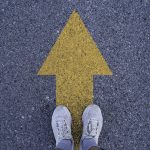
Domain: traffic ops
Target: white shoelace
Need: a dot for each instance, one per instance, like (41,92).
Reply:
(92,128)
(63,129)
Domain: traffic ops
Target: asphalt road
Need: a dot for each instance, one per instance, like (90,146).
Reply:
(29,28)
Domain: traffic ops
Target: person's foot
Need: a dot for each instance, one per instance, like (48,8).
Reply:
(61,124)
(92,123)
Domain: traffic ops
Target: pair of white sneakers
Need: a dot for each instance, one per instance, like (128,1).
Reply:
(92,123)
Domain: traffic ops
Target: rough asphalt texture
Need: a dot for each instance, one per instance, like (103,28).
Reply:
(29,28)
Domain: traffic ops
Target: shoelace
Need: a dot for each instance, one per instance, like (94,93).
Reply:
(92,128)
(63,129)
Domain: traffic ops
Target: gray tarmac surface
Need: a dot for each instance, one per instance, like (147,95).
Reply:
(29,28)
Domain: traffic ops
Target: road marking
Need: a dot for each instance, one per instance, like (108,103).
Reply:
(74,59)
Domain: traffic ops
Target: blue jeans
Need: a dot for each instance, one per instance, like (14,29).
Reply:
(87,144)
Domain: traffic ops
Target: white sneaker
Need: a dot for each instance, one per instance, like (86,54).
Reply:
(92,123)
(61,124)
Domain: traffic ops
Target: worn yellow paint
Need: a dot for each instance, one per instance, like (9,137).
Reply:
(74,59)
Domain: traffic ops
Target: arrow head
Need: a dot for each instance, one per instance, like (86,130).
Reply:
(75,52)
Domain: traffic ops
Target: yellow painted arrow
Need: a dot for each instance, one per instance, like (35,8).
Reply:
(74,59)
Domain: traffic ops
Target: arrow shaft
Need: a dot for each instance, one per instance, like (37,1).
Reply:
(76,93)
(74,58)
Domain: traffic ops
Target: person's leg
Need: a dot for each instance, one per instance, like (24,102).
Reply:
(57,148)
(65,145)
(92,124)
(90,144)
(95,148)
(61,125)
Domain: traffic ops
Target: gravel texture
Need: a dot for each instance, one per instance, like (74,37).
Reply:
(29,28)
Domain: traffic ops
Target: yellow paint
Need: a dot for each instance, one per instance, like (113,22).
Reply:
(74,59)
